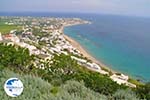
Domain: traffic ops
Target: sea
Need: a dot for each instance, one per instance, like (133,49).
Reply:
(120,42)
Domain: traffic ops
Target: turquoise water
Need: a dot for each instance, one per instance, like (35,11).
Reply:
(122,43)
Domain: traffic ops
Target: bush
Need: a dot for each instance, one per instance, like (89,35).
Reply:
(34,87)
(64,68)
(125,95)
(144,91)
(14,57)
(78,91)
(99,83)
(37,89)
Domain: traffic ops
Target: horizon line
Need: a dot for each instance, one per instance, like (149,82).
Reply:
(21,12)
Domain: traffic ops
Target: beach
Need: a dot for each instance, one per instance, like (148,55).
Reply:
(118,78)
(85,53)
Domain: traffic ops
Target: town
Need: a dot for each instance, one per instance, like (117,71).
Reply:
(44,37)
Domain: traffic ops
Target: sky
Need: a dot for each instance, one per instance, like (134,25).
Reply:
(121,7)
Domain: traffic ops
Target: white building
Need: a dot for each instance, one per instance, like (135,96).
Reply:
(11,37)
(1,37)
(120,79)
(32,49)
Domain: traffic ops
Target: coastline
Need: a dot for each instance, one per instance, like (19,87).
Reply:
(85,53)
(114,75)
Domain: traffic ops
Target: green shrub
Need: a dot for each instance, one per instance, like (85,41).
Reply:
(78,89)
(14,57)
(125,95)
(37,89)
(34,87)
(144,91)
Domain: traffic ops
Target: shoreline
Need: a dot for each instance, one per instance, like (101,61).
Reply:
(116,76)
(85,53)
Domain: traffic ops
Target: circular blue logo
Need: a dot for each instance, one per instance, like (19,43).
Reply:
(13,87)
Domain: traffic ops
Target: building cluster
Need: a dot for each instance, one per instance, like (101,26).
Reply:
(44,37)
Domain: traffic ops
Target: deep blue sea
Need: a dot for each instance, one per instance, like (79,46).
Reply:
(120,42)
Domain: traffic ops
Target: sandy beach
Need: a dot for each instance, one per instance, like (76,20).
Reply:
(85,53)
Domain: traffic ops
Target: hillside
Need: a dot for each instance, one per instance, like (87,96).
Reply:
(73,83)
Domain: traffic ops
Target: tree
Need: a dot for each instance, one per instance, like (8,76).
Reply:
(14,56)
(144,91)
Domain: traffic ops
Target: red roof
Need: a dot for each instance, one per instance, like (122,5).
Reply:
(8,35)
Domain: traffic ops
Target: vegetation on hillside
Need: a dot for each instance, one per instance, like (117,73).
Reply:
(36,88)
(62,79)
(14,57)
